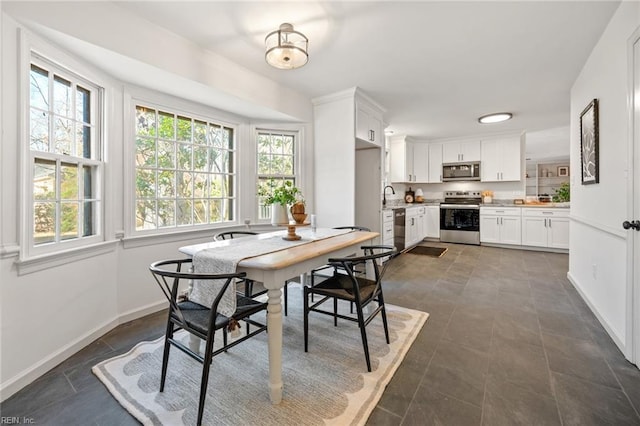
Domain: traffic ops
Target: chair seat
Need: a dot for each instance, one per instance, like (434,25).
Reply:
(341,286)
(197,316)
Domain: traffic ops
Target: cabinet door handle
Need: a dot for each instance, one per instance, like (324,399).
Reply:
(501,221)
(549,223)
(545,222)
(497,221)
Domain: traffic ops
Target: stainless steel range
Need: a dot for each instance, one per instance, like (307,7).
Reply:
(460,217)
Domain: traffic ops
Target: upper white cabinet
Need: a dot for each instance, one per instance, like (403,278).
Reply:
(369,127)
(409,161)
(501,160)
(435,162)
(456,152)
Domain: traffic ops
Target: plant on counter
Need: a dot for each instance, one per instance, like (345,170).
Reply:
(563,193)
(284,193)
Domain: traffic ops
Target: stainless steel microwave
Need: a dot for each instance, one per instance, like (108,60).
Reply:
(461,171)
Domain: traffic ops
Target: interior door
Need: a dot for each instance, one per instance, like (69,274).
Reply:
(634,213)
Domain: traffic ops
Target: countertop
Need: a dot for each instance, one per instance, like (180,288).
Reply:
(495,203)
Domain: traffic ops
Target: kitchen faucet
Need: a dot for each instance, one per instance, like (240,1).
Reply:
(384,194)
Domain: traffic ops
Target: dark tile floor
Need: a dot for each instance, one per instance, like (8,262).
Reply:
(509,341)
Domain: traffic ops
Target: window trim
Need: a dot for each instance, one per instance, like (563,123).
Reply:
(32,50)
(139,96)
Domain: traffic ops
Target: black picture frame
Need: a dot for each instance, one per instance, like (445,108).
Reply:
(589,144)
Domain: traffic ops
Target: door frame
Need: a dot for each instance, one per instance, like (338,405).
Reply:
(632,346)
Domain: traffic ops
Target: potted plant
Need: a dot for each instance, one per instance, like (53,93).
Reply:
(279,196)
(563,193)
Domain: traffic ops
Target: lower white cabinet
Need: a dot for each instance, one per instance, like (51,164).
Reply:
(387,227)
(545,228)
(414,225)
(500,225)
(432,222)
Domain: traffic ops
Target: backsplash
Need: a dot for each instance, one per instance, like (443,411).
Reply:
(435,191)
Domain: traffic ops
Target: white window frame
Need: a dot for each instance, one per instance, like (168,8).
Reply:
(296,132)
(138,96)
(64,66)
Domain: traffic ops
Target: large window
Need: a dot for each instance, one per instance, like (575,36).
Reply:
(276,163)
(185,170)
(65,148)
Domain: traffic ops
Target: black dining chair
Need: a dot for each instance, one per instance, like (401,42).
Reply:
(198,320)
(326,271)
(248,283)
(360,291)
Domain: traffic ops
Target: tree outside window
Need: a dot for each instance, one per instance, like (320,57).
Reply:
(185,171)
(276,164)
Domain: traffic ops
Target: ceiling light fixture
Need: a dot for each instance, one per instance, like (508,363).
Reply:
(286,48)
(495,118)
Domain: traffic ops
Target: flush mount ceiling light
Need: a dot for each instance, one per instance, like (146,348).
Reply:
(495,118)
(286,48)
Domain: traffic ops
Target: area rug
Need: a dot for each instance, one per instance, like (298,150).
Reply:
(428,251)
(328,385)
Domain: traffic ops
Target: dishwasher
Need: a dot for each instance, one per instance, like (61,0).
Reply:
(398,228)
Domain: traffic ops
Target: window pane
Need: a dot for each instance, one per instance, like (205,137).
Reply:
(166,155)
(199,132)
(89,215)
(145,121)
(145,215)
(200,158)
(39,88)
(215,136)
(64,135)
(83,141)
(200,185)
(61,97)
(184,129)
(166,125)
(216,211)
(227,138)
(184,212)
(185,180)
(83,105)
(217,186)
(87,177)
(166,183)
(287,147)
(184,156)
(39,137)
(69,222)
(44,223)
(44,180)
(145,183)
(264,164)
(69,182)
(166,213)
(200,211)
(145,152)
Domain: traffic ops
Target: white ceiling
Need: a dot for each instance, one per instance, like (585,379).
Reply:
(435,66)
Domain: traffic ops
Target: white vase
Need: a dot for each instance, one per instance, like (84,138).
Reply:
(279,214)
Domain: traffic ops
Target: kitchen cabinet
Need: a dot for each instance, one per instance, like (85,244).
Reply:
(435,163)
(501,225)
(347,170)
(456,152)
(501,160)
(545,227)
(409,160)
(369,127)
(432,222)
(387,227)
(414,225)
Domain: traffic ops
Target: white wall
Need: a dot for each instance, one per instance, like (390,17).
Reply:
(48,314)
(597,262)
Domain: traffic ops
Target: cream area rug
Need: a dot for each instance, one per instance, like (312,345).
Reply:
(327,385)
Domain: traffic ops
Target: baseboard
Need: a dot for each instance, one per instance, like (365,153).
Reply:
(619,343)
(22,379)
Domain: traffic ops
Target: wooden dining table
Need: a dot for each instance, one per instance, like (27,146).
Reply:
(274,268)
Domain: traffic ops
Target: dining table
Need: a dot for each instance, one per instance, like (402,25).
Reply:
(274,268)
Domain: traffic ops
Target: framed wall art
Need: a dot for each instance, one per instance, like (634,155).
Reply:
(563,170)
(589,143)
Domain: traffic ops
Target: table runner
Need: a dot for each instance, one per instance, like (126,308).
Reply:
(224,260)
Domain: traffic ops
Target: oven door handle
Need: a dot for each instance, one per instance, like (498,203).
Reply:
(460,206)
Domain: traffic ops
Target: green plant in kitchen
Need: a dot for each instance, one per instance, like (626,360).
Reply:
(563,193)
(283,193)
